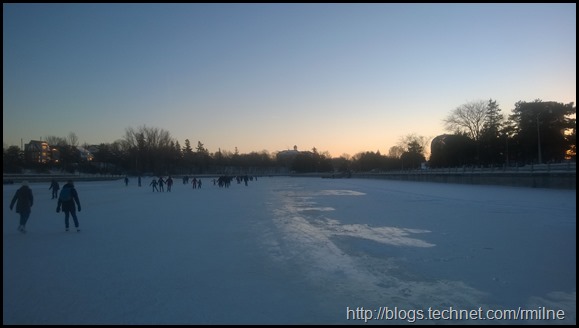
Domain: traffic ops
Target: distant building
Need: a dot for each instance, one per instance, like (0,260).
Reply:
(37,151)
(287,154)
(55,154)
(287,157)
(85,154)
(93,149)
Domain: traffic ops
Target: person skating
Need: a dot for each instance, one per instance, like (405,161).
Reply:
(24,200)
(67,200)
(154,184)
(55,188)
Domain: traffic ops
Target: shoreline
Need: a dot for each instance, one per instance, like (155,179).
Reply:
(529,179)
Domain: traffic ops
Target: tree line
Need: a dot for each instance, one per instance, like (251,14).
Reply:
(535,132)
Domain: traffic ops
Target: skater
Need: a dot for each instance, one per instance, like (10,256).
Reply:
(169,183)
(126,181)
(25,200)
(161,184)
(154,184)
(55,187)
(67,199)
(139,180)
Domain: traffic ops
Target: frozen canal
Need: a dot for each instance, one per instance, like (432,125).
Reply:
(292,251)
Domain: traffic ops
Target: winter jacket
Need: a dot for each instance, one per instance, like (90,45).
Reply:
(24,198)
(69,205)
(54,186)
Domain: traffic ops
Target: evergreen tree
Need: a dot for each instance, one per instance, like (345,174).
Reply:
(541,130)
(491,144)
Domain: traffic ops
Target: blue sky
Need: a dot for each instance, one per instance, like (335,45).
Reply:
(343,78)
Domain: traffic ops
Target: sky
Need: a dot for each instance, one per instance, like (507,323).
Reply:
(285,250)
(343,78)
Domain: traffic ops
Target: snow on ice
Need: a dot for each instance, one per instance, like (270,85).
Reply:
(286,250)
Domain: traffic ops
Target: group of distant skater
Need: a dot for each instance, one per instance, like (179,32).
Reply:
(224,181)
(161,183)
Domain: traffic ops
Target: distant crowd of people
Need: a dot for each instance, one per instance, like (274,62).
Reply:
(68,200)
(223,181)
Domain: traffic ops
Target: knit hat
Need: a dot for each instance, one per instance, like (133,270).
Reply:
(25,183)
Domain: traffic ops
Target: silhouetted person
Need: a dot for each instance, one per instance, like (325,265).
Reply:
(67,200)
(161,183)
(55,188)
(154,184)
(126,181)
(169,183)
(24,200)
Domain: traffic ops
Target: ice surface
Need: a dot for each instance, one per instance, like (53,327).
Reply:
(288,250)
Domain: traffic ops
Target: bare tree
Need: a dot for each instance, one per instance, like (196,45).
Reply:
(56,141)
(468,118)
(149,147)
(325,154)
(72,139)
(395,151)
(415,142)
(149,137)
